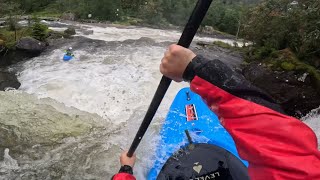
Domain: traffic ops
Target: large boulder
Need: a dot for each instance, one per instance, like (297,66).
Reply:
(87,32)
(9,56)
(207,29)
(8,80)
(68,16)
(31,45)
(27,122)
(2,48)
(55,35)
(292,90)
(70,31)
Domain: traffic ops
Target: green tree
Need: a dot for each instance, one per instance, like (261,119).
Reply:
(39,31)
(283,24)
(225,16)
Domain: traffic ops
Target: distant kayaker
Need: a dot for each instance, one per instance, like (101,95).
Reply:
(69,51)
(275,145)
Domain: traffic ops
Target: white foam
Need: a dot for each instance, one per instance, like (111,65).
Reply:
(313,121)
(8,162)
(59,29)
(121,34)
(111,84)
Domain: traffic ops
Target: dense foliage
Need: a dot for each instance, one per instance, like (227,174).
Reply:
(39,31)
(224,15)
(270,24)
(280,24)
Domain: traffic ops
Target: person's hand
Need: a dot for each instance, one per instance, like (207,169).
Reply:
(175,61)
(125,160)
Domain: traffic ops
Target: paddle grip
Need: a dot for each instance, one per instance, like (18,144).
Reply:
(186,38)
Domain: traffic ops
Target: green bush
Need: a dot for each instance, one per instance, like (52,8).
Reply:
(263,52)
(12,23)
(10,37)
(39,31)
(222,44)
(280,24)
(288,66)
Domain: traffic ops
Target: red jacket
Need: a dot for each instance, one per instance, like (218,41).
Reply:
(123,176)
(275,145)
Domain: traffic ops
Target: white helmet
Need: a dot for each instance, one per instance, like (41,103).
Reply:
(70,48)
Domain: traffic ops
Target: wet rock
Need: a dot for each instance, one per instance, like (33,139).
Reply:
(68,16)
(210,31)
(207,29)
(2,49)
(8,80)
(55,35)
(70,31)
(297,97)
(229,57)
(2,23)
(49,18)
(29,44)
(87,32)
(39,124)
(141,41)
(9,57)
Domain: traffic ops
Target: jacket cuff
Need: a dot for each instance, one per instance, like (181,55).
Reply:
(189,73)
(126,169)
(191,70)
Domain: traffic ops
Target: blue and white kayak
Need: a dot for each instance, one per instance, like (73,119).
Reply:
(210,151)
(67,57)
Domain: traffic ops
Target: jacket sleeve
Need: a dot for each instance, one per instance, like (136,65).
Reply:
(123,176)
(125,173)
(276,146)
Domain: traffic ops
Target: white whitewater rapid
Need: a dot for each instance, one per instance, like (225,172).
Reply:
(116,81)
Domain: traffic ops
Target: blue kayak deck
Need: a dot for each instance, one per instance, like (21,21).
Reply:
(207,129)
(67,57)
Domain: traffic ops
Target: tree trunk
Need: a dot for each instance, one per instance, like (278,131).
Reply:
(238,31)
(15,27)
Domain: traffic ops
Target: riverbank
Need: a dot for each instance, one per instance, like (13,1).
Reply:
(292,83)
(21,43)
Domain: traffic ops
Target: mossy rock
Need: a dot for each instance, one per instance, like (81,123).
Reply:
(11,45)
(274,54)
(288,66)
(130,21)
(26,121)
(222,44)
(70,31)
(55,35)
(285,60)
(9,37)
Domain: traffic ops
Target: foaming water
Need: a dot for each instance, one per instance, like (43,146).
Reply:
(121,34)
(112,84)
(117,82)
(313,121)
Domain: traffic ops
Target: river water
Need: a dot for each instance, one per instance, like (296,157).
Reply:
(113,78)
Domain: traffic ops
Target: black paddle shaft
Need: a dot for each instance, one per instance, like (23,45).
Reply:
(185,40)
